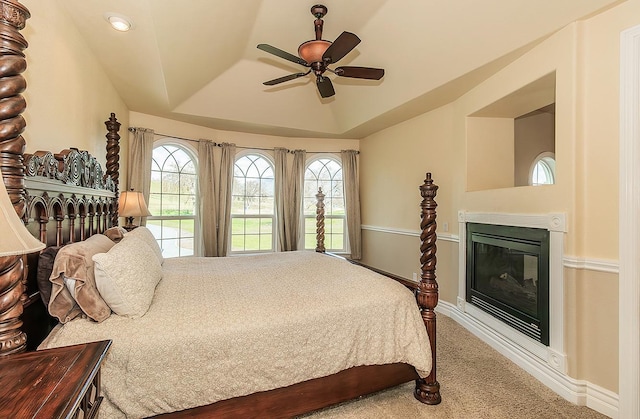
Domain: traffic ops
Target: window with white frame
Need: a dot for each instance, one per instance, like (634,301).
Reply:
(543,170)
(325,173)
(252,205)
(172,200)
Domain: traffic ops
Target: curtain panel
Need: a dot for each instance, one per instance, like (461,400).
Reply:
(139,169)
(352,201)
(296,194)
(223,201)
(207,193)
(288,196)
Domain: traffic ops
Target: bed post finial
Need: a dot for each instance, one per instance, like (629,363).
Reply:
(428,389)
(320,221)
(13,15)
(113,159)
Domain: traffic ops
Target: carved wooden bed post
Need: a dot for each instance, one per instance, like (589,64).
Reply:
(320,222)
(428,389)
(113,159)
(13,16)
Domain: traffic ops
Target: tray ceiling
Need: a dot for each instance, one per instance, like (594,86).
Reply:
(196,60)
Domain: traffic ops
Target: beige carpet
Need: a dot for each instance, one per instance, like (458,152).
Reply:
(476,382)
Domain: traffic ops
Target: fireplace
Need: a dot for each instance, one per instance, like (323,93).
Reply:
(507,276)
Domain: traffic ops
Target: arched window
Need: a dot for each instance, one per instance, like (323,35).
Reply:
(325,173)
(543,170)
(172,200)
(252,205)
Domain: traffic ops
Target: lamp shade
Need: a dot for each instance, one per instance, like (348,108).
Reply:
(132,204)
(16,239)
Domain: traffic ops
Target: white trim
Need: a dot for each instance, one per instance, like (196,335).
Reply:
(552,222)
(390,230)
(629,225)
(406,232)
(579,392)
(556,223)
(598,265)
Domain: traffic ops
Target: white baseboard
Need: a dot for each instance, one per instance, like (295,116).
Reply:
(579,392)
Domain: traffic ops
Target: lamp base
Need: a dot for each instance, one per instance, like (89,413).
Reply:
(129,226)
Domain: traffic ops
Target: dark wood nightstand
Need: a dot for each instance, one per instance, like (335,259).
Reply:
(52,383)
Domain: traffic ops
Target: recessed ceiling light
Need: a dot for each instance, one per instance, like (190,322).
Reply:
(118,22)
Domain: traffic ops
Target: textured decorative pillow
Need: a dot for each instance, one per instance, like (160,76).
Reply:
(127,275)
(45,267)
(74,262)
(146,236)
(115,233)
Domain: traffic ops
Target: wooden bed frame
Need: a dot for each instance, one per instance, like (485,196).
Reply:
(65,197)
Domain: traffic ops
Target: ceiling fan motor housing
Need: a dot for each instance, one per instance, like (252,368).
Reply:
(319,11)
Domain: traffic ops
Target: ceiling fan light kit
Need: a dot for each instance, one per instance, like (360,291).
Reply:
(318,54)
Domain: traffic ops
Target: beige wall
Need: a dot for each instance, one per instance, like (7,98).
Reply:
(585,58)
(68,94)
(490,153)
(241,139)
(167,127)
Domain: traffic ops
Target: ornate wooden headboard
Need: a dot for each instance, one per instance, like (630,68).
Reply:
(69,196)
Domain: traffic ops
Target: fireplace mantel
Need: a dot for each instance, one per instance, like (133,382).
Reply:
(554,355)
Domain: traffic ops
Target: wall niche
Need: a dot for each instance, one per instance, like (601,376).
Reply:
(511,142)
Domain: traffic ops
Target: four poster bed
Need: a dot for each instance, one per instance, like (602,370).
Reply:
(198,336)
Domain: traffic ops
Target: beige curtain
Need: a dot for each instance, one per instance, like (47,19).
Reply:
(352,200)
(281,197)
(297,191)
(223,189)
(207,193)
(139,173)
(288,187)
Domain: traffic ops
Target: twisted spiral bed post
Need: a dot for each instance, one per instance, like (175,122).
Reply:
(320,222)
(113,159)
(13,17)
(428,389)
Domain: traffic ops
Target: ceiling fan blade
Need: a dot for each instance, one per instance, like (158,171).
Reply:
(340,47)
(360,72)
(325,87)
(285,78)
(282,54)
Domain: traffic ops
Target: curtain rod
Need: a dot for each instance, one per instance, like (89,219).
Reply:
(134,129)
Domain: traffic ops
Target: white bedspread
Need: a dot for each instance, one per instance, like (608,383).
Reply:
(225,327)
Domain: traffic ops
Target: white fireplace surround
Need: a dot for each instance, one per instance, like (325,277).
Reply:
(554,355)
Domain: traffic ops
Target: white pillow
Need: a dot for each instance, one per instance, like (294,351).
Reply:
(144,234)
(127,275)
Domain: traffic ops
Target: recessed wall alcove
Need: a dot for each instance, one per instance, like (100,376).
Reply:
(505,139)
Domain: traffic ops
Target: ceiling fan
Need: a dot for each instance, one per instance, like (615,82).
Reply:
(318,54)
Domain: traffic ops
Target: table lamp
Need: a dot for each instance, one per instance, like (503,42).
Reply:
(132,204)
